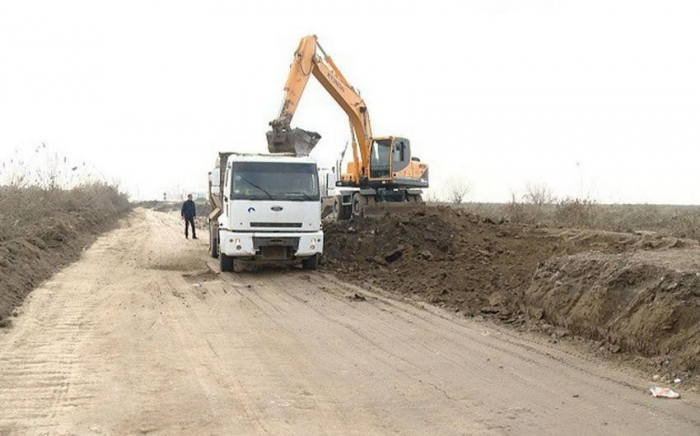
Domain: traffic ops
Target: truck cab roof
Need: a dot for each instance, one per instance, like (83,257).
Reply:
(266,157)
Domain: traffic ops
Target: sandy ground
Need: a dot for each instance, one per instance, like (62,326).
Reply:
(140,336)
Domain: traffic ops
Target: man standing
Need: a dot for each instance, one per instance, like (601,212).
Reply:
(188,213)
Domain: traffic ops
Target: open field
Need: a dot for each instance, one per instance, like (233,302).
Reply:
(141,336)
(667,220)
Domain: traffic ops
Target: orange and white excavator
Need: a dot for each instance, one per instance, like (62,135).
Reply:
(382,168)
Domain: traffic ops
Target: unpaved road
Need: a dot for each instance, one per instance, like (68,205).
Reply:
(137,337)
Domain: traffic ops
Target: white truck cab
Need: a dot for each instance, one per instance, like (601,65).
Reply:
(265,207)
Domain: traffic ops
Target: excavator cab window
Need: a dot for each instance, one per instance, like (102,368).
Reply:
(380,159)
(402,154)
(399,150)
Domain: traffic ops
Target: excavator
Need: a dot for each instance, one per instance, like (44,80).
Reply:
(382,169)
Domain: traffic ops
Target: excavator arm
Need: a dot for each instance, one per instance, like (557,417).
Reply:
(310,59)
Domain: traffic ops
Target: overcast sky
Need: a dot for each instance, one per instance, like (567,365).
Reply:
(598,99)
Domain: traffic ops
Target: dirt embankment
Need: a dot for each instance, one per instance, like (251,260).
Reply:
(633,292)
(42,230)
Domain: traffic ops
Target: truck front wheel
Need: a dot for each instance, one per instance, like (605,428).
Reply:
(310,263)
(225,263)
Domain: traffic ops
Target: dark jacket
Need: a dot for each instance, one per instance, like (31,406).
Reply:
(188,210)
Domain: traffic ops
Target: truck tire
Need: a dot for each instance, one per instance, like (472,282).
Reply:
(213,242)
(225,263)
(310,263)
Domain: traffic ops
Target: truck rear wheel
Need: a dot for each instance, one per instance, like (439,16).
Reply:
(310,263)
(225,263)
(213,242)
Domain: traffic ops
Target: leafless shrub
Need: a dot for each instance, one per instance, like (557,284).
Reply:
(538,194)
(575,212)
(685,224)
(456,190)
(44,168)
(15,173)
(515,210)
(531,207)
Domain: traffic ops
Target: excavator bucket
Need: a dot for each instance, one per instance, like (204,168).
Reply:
(297,141)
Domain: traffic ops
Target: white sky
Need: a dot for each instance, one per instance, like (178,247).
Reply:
(500,93)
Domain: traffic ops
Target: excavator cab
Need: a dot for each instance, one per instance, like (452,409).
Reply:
(391,163)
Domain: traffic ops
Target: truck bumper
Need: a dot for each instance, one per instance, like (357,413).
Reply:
(252,245)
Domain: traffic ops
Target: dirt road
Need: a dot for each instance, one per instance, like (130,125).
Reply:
(140,336)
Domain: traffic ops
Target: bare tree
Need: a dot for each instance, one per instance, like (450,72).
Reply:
(538,194)
(456,189)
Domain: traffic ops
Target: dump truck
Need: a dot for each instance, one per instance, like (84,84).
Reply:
(383,168)
(265,207)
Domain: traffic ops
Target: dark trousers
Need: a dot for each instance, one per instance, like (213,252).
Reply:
(190,222)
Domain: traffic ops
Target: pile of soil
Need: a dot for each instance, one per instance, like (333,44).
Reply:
(477,266)
(43,230)
(647,302)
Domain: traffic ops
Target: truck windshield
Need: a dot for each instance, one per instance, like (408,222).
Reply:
(274,181)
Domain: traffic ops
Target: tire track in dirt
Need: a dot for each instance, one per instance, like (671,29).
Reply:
(588,369)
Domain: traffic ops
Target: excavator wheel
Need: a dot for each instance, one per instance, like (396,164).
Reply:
(341,212)
(358,205)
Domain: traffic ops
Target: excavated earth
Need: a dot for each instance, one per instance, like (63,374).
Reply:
(631,292)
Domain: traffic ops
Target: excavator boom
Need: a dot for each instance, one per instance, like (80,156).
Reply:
(307,62)
(382,169)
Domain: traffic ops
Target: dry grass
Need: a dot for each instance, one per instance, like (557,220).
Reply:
(44,228)
(667,220)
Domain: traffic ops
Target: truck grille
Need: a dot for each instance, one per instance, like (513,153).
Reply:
(285,225)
